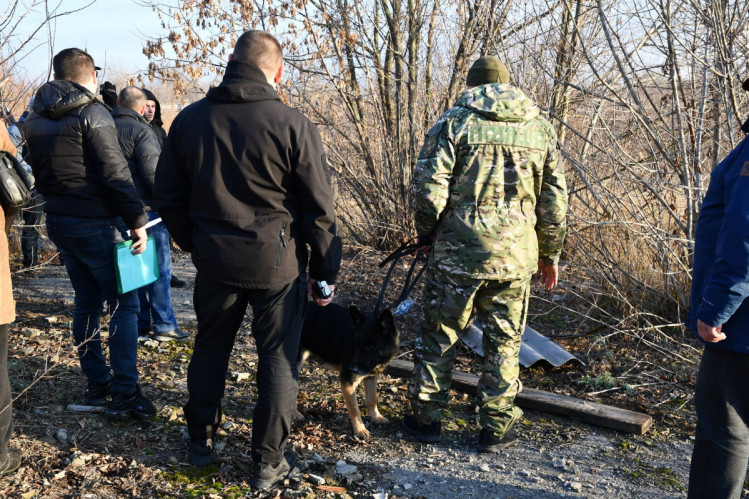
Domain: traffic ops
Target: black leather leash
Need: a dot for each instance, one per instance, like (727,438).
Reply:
(409,247)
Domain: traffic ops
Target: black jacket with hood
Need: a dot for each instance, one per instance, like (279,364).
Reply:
(75,156)
(141,150)
(242,184)
(157,124)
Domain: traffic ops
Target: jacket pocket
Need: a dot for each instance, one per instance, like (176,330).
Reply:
(281,244)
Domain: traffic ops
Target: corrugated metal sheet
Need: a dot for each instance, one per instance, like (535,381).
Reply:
(534,347)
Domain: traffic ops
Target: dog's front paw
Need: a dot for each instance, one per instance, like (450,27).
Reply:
(379,419)
(361,433)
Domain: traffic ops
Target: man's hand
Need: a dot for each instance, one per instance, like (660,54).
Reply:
(312,284)
(548,273)
(426,242)
(709,333)
(140,237)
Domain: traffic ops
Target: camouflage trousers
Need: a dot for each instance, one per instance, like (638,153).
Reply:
(449,305)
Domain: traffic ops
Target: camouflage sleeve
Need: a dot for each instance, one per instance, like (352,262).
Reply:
(551,208)
(431,180)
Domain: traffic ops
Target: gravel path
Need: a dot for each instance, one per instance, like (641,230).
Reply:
(555,457)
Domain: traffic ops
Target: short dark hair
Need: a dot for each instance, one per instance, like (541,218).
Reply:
(132,98)
(73,64)
(260,49)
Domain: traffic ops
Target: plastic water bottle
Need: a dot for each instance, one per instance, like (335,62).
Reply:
(404,307)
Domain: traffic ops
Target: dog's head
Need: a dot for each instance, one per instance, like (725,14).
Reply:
(376,341)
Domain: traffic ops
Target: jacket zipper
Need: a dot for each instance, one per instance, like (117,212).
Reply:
(281,245)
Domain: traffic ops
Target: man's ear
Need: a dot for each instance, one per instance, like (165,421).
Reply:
(54,76)
(142,109)
(279,74)
(231,57)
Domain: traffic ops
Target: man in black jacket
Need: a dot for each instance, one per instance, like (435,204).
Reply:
(141,150)
(80,170)
(242,184)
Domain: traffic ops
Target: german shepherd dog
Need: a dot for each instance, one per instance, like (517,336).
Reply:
(357,346)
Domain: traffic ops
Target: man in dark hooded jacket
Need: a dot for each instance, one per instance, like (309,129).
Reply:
(80,170)
(153,116)
(242,184)
(141,150)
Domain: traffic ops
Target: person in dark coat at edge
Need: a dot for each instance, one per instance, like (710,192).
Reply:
(82,174)
(141,150)
(153,117)
(242,184)
(719,317)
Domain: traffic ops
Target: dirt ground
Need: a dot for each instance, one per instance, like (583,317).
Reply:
(70,454)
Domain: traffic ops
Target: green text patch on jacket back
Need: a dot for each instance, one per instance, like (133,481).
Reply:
(510,136)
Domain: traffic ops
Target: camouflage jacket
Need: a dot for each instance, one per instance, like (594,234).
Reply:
(489,186)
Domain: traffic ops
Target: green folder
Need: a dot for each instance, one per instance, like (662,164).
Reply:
(135,271)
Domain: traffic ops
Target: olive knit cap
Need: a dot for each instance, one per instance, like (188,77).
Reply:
(487,69)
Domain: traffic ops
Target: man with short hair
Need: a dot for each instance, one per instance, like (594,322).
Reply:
(490,200)
(242,184)
(80,170)
(141,150)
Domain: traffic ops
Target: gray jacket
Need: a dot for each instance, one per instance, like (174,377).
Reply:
(141,150)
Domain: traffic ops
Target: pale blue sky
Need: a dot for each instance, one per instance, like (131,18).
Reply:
(111,31)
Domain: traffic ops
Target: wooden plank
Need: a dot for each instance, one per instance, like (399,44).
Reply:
(586,411)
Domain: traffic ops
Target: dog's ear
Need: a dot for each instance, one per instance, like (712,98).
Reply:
(356,316)
(387,323)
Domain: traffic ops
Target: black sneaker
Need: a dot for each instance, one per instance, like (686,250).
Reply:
(10,461)
(429,433)
(264,476)
(97,393)
(176,282)
(133,405)
(201,452)
(489,442)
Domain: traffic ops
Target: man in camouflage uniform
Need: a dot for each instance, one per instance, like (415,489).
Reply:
(490,196)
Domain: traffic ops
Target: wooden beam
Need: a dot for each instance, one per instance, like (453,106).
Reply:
(582,410)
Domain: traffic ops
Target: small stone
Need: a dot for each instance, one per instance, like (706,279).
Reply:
(576,486)
(485,468)
(241,376)
(345,469)
(227,425)
(525,473)
(558,463)
(78,462)
(219,446)
(61,435)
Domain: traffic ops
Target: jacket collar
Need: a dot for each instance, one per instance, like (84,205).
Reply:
(126,112)
(243,82)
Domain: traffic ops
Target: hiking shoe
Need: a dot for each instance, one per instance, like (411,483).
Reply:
(10,462)
(133,405)
(429,433)
(173,335)
(201,452)
(489,442)
(264,476)
(176,282)
(97,393)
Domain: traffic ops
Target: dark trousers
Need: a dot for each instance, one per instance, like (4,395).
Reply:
(32,219)
(276,327)
(721,446)
(6,409)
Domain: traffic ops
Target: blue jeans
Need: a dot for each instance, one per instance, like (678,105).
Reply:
(156,298)
(86,247)
(721,444)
